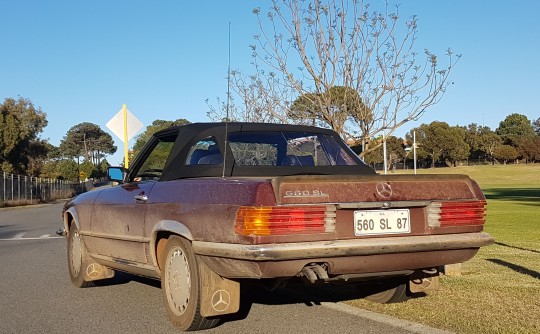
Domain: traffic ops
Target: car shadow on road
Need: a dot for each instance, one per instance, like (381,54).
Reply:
(296,292)
(121,277)
(262,292)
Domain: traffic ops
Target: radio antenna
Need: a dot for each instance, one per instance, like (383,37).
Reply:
(227,106)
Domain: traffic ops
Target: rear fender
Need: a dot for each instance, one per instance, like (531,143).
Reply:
(170,227)
(219,295)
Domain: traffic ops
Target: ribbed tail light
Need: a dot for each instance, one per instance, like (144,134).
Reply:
(445,214)
(277,220)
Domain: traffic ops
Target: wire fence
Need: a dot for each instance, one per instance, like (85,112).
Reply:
(20,190)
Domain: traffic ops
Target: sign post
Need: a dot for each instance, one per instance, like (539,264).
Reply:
(125,125)
(126,148)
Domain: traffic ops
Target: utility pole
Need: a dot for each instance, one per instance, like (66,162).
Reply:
(414,150)
(384,151)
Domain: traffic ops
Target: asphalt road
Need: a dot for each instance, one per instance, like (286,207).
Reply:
(36,295)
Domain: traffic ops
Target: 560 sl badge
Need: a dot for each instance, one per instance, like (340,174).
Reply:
(304,193)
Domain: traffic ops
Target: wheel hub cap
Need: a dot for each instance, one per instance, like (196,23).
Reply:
(178,281)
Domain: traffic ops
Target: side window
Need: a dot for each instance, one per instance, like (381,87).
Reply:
(305,151)
(287,149)
(153,166)
(204,152)
(254,154)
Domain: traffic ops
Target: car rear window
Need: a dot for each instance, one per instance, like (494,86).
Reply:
(287,149)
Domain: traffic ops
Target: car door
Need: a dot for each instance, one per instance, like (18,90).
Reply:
(118,221)
(117,227)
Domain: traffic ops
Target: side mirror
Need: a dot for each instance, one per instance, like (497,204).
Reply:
(117,174)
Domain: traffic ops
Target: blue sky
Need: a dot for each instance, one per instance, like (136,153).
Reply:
(81,60)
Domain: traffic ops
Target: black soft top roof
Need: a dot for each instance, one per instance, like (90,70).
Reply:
(187,135)
(195,128)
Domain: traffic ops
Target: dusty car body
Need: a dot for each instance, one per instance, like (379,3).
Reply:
(206,206)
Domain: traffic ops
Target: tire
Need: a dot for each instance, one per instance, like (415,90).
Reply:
(76,256)
(180,284)
(388,292)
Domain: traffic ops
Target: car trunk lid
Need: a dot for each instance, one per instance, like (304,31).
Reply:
(365,191)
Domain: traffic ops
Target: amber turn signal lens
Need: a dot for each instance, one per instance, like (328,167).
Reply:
(274,220)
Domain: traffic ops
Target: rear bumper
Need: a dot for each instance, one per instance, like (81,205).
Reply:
(339,248)
(357,256)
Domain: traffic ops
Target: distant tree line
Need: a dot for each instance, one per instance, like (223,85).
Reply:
(517,139)
(84,148)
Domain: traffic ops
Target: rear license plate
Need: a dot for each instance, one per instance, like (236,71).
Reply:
(377,222)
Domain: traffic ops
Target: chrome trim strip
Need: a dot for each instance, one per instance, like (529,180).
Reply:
(385,205)
(338,248)
(128,266)
(115,237)
(121,261)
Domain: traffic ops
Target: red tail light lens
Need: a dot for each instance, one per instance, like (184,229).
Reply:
(444,214)
(273,220)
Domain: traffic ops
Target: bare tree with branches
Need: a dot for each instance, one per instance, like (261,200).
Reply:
(259,97)
(305,48)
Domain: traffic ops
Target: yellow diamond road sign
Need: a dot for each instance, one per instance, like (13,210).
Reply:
(116,125)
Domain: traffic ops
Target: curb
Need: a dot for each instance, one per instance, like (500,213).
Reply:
(405,325)
(31,206)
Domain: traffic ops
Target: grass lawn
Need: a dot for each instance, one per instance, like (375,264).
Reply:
(499,290)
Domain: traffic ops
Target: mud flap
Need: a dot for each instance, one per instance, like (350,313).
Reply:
(219,295)
(95,271)
(421,281)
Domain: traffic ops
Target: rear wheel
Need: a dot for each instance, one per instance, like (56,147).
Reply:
(387,292)
(76,254)
(181,288)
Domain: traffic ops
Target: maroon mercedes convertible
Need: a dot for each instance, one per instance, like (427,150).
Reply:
(206,207)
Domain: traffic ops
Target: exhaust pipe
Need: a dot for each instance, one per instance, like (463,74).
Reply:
(314,273)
